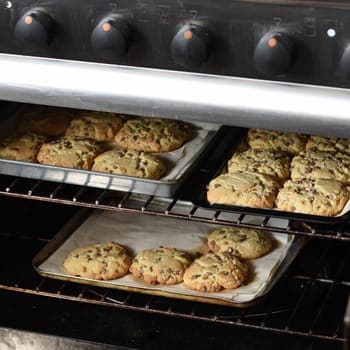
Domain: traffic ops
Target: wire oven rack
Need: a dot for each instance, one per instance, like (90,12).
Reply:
(127,201)
(310,302)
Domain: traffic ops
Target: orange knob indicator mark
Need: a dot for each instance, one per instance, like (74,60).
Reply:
(272,42)
(188,35)
(28,20)
(106,27)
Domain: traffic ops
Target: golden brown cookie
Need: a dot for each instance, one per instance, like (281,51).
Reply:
(161,265)
(131,163)
(267,162)
(328,144)
(321,165)
(21,147)
(241,242)
(44,120)
(97,126)
(105,261)
(153,135)
(215,272)
(69,152)
(288,142)
(316,197)
(243,189)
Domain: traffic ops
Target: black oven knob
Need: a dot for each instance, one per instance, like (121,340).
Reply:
(111,37)
(274,53)
(34,29)
(189,47)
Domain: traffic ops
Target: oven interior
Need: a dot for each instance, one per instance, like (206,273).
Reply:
(306,309)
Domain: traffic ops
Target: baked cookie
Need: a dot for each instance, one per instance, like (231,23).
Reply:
(105,261)
(243,188)
(69,152)
(316,197)
(240,242)
(48,121)
(328,144)
(267,162)
(160,265)
(153,135)
(21,147)
(97,126)
(131,163)
(214,272)
(321,165)
(288,142)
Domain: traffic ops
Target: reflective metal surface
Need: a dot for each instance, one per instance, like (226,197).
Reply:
(11,339)
(151,92)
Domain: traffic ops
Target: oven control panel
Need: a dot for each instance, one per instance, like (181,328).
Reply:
(302,42)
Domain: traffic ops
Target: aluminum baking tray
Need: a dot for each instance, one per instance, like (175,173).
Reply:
(138,232)
(214,167)
(180,164)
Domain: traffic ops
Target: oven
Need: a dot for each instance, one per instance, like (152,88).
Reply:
(275,64)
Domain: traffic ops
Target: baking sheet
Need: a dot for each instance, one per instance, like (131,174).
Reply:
(238,143)
(179,164)
(138,232)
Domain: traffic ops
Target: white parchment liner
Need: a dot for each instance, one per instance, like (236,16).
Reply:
(177,161)
(138,232)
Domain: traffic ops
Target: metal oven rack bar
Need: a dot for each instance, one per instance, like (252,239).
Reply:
(119,201)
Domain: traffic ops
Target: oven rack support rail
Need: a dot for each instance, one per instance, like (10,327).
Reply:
(164,93)
(175,207)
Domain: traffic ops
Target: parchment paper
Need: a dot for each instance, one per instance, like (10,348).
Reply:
(177,161)
(137,232)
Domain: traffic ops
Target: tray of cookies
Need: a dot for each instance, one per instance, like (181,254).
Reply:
(169,257)
(105,150)
(280,174)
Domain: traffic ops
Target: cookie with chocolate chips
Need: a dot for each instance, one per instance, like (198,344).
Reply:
(21,147)
(214,272)
(288,142)
(328,144)
(97,126)
(321,165)
(267,162)
(240,242)
(160,265)
(153,135)
(244,189)
(131,163)
(104,261)
(317,197)
(70,152)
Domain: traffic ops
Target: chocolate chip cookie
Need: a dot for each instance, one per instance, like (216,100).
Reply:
(240,242)
(153,135)
(104,261)
(317,197)
(243,189)
(328,144)
(48,121)
(70,152)
(160,265)
(321,165)
(288,142)
(215,272)
(21,147)
(267,162)
(97,126)
(131,163)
